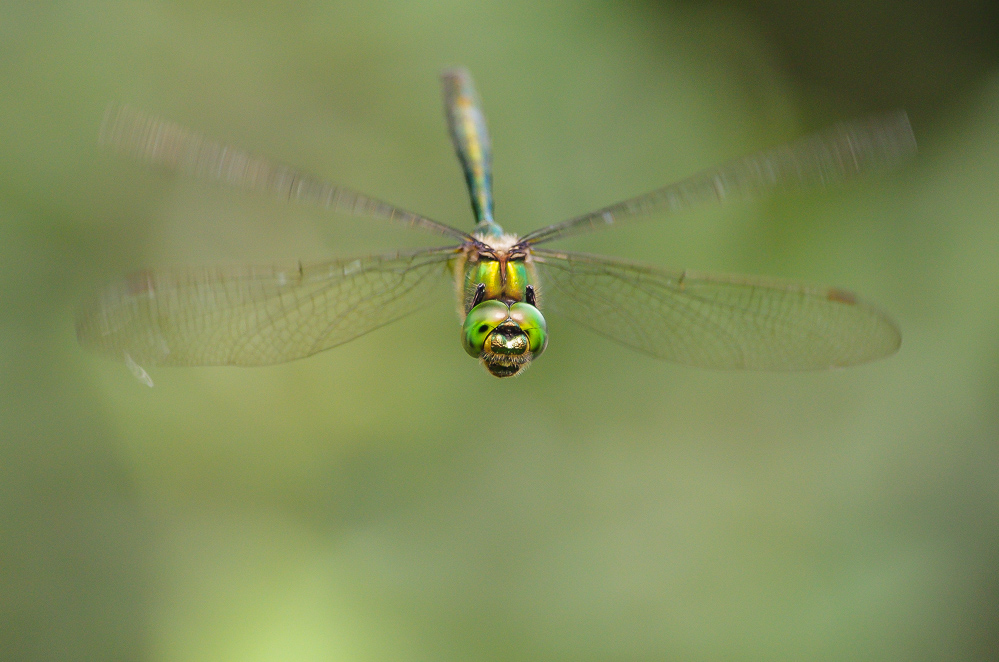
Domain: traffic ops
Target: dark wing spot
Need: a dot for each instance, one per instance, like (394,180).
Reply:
(140,282)
(842,296)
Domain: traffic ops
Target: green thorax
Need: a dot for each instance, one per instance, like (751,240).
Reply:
(504,279)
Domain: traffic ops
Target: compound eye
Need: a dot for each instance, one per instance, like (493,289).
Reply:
(532,323)
(480,322)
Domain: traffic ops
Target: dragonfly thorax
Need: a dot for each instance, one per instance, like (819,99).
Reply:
(493,267)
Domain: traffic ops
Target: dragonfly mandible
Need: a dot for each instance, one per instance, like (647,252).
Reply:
(250,316)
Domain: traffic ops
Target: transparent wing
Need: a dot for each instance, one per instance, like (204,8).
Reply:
(715,321)
(821,159)
(256,315)
(164,143)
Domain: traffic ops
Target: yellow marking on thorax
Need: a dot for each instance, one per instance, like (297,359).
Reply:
(502,277)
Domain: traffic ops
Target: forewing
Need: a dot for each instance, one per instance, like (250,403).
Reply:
(256,315)
(167,144)
(839,153)
(715,321)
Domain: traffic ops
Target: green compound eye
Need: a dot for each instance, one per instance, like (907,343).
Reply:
(480,322)
(532,323)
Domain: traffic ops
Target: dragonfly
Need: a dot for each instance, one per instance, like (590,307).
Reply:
(260,315)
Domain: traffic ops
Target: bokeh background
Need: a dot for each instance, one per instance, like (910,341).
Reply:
(380,502)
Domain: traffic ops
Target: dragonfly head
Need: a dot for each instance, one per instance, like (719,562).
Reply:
(505,338)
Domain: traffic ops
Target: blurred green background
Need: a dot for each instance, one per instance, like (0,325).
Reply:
(375,504)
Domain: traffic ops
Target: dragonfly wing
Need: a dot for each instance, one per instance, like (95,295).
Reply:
(715,321)
(822,159)
(256,315)
(164,143)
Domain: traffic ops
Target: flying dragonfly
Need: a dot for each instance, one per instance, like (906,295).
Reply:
(249,316)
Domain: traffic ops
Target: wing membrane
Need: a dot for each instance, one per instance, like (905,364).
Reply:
(256,315)
(825,158)
(715,321)
(164,143)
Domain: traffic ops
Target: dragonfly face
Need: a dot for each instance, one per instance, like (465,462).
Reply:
(504,337)
(251,315)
